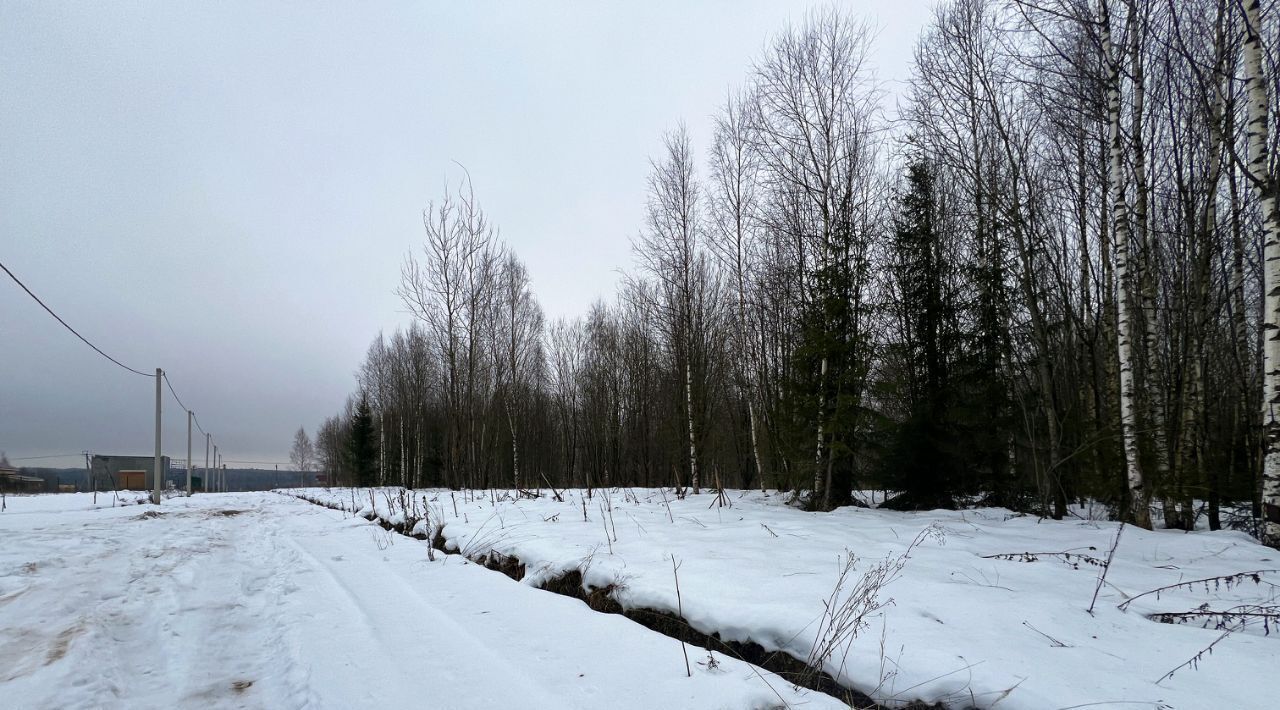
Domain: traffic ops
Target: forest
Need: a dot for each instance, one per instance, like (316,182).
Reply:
(1047,271)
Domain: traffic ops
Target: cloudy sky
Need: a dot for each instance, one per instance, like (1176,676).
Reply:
(228,190)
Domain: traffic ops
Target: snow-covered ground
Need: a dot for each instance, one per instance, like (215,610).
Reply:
(973,620)
(264,601)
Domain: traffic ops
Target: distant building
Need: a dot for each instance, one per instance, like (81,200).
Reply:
(13,482)
(125,473)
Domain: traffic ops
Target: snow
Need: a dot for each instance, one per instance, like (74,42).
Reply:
(263,601)
(23,504)
(956,625)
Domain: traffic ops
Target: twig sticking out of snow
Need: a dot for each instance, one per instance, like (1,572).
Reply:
(1194,661)
(845,615)
(1055,642)
(1102,576)
(675,572)
(605,525)
(667,503)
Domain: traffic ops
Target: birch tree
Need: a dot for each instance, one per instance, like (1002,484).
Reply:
(522,327)
(670,251)
(1261,176)
(303,452)
(1139,512)
(735,221)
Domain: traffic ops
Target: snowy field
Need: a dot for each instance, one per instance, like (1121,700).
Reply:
(258,600)
(963,616)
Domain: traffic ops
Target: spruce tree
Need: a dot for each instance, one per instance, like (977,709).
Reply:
(924,461)
(362,447)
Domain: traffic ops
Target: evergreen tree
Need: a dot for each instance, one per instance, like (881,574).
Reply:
(362,446)
(923,460)
(832,359)
(982,378)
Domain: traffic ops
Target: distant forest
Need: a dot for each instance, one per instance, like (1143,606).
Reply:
(1039,278)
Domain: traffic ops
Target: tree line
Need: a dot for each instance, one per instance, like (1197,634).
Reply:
(1053,273)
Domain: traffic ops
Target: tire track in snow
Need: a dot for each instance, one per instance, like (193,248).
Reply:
(389,633)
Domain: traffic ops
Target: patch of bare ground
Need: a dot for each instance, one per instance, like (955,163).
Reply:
(59,647)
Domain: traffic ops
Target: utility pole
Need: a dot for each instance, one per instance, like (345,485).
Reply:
(89,483)
(215,468)
(190,414)
(205,482)
(158,475)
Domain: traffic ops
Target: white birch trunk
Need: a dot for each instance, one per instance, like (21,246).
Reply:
(693,442)
(1139,512)
(1140,226)
(1259,169)
(382,451)
(515,448)
(755,442)
(822,406)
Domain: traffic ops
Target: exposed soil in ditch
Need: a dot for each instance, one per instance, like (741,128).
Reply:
(786,666)
(601,599)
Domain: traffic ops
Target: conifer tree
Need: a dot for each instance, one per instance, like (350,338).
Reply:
(923,461)
(362,447)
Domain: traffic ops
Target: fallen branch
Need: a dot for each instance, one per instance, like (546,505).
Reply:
(1226,579)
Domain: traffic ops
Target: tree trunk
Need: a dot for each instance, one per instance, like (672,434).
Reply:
(1257,137)
(688,408)
(822,406)
(755,442)
(1139,513)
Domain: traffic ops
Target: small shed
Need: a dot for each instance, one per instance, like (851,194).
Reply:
(125,473)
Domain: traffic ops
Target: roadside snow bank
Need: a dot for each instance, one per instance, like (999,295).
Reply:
(987,608)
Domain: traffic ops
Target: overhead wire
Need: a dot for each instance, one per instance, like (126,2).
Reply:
(176,398)
(67,326)
(196,417)
(98,350)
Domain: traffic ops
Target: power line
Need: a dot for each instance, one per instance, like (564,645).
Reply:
(176,398)
(98,350)
(68,327)
(50,456)
(196,417)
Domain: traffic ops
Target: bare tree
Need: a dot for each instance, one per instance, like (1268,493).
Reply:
(522,326)
(452,290)
(670,251)
(734,241)
(303,454)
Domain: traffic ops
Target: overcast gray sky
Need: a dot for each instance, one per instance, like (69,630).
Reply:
(227,190)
